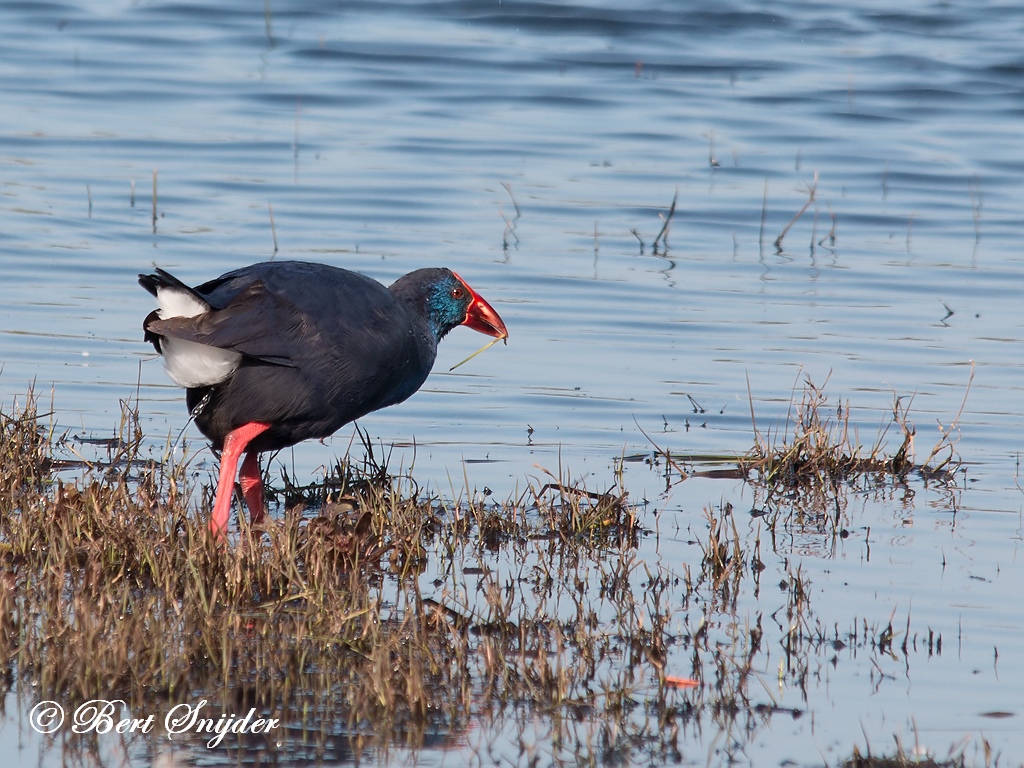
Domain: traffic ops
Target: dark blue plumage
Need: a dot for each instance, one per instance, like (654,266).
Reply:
(281,352)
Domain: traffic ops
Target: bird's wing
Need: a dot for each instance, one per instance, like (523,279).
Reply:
(256,323)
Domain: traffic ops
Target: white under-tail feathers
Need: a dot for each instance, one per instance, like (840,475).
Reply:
(189,363)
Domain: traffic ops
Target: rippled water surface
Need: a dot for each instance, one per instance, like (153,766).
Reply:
(534,148)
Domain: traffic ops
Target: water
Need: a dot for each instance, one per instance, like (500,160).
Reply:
(521,144)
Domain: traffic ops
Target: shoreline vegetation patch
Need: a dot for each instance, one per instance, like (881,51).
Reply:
(814,457)
(371,616)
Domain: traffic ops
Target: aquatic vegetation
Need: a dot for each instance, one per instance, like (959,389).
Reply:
(370,615)
(804,469)
(823,451)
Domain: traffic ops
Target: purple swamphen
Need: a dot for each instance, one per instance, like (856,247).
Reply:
(284,351)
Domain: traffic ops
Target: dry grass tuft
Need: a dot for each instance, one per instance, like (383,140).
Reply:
(111,587)
(809,466)
(370,614)
(902,760)
(822,451)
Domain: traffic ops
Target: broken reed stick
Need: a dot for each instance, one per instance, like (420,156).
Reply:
(273,229)
(488,345)
(812,190)
(764,214)
(663,234)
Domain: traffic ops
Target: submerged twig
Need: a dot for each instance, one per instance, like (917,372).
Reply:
(273,229)
(946,441)
(764,214)
(667,222)
(510,224)
(639,239)
(663,453)
(974,189)
(154,201)
(811,192)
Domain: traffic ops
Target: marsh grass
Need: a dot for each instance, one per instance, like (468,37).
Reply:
(111,587)
(370,615)
(804,469)
(901,759)
(817,450)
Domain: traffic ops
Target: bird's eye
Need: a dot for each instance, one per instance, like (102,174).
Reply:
(457,292)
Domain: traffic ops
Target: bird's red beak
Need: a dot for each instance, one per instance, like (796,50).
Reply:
(480,316)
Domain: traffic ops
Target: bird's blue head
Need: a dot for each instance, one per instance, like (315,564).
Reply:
(446,300)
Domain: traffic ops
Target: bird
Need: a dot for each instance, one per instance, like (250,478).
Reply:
(284,351)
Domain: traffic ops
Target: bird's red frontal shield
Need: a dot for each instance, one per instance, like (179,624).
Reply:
(480,316)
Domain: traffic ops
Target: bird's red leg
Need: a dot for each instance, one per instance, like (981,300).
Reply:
(252,487)
(234,444)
